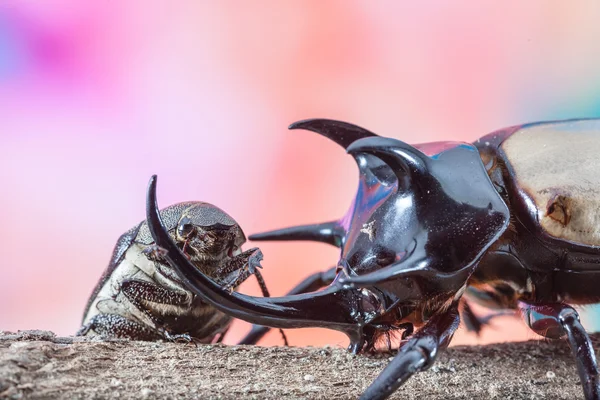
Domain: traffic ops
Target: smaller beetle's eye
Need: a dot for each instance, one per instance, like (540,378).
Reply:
(185,228)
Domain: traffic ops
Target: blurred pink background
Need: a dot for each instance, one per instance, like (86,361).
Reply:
(96,96)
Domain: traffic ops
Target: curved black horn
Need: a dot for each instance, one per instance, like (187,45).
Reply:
(340,132)
(400,156)
(329,308)
(328,232)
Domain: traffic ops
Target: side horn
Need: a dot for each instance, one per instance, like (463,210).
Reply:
(328,232)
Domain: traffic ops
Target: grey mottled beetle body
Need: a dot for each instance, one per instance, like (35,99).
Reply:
(140,297)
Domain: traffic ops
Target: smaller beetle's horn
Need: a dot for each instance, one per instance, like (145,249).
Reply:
(400,156)
(328,232)
(340,132)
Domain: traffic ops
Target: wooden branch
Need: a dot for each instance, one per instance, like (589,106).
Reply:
(39,365)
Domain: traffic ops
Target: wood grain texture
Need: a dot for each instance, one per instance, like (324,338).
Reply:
(39,365)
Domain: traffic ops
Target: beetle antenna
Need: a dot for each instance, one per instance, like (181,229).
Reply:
(327,232)
(340,132)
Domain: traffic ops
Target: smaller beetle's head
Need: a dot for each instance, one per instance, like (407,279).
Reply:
(206,233)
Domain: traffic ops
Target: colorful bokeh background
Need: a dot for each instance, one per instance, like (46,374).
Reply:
(96,96)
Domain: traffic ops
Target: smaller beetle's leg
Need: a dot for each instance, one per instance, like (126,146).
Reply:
(241,266)
(138,292)
(417,354)
(265,292)
(310,284)
(249,259)
(557,320)
(155,253)
(113,325)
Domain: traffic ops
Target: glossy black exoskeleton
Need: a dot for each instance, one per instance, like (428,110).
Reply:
(511,221)
(141,297)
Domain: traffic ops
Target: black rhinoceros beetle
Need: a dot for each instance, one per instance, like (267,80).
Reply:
(511,221)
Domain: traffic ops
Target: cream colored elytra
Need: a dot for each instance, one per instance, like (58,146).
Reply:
(558,165)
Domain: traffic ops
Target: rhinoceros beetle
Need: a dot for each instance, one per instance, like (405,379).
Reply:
(140,297)
(511,221)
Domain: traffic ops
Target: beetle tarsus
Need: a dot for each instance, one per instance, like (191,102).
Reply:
(415,355)
(327,232)
(556,320)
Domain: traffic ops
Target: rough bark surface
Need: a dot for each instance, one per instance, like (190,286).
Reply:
(39,365)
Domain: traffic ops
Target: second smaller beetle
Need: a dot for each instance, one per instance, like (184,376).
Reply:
(140,297)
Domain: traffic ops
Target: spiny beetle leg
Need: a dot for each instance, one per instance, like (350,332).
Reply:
(556,320)
(252,257)
(112,325)
(138,292)
(416,355)
(310,284)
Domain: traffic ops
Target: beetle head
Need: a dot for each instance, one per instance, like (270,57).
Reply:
(207,233)
(435,216)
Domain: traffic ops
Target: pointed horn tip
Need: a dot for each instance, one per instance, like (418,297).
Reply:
(256,237)
(302,124)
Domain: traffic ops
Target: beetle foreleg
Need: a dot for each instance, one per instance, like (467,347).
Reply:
(309,284)
(140,292)
(558,320)
(112,325)
(416,355)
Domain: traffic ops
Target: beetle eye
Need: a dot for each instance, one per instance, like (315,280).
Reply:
(185,228)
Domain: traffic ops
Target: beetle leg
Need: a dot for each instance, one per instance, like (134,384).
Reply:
(475,323)
(556,320)
(154,253)
(310,284)
(415,355)
(139,292)
(328,232)
(265,292)
(251,257)
(113,325)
